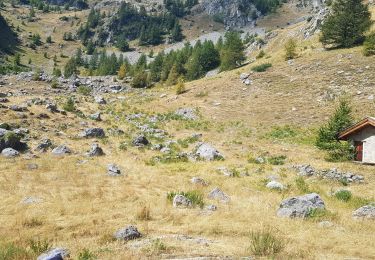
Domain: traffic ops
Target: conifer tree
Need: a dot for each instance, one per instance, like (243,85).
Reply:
(232,52)
(347,23)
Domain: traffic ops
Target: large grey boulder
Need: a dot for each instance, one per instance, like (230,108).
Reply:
(127,233)
(61,150)
(367,211)
(180,201)
(9,153)
(92,133)
(300,207)
(55,254)
(206,152)
(217,194)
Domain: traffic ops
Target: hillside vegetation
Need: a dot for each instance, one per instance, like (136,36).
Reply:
(199,168)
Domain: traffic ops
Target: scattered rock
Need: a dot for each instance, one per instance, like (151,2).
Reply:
(364,212)
(325,224)
(332,174)
(274,185)
(54,254)
(96,117)
(61,150)
(127,233)
(211,207)
(300,206)
(100,100)
(140,141)
(95,150)
(186,113)
(10,153)
(180,201)
(114,170)
(305,170)
(17,108)
(206,152)
(31,200)
(92,133)
(217,194)
(199,181)
(43,145)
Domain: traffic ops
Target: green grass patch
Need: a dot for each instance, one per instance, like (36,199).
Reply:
(262,67)
(266,243)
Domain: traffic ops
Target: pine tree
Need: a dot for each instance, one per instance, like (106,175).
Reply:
(347,23)
(341,119)
(369,45)
(122,72)
(232,52)
(173,76)
(70,68)
(176,33)
(290,49)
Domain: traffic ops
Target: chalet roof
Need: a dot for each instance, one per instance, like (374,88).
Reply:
(368,121)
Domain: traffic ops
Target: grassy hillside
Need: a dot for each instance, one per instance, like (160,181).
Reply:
(79,207)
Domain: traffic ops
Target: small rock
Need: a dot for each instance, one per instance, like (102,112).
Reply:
(199,181)
(100,100)
(140,141)
(180,201)
(10,153)
(274,185)
(95,150)
(61,150)
(54,254)
(92,133)
(43,145)
(127,233)
(217,194)
(31,200)
(325,224)
(114,170)
(211,208)
(96,117)
(186,113)
(207,152)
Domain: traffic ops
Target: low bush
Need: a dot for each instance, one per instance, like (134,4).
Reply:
(86,254)
(266,243)
(302,186)
(369,45)
(69,105)
(343,195)
(84,90)
(39,246)
(261,67)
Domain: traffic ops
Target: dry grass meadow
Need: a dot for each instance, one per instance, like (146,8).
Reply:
(82,207)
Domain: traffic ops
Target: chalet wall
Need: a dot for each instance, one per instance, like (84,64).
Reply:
(367,136)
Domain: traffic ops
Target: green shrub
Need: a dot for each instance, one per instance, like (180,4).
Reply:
(69,105)
(369,45)
(282,132)
(265,243)
(196,197)
(340,152)
(261,54)
(261,67)
(320,215)
(39,246)
(11,251)
(290,49)
(84,90)
(343,195)
(277,160)
(86,254)
(302,186)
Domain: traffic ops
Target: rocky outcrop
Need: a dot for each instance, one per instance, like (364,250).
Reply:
(300,207)
(233,13)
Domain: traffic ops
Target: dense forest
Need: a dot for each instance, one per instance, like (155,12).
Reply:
(8,39)
(188,63)
(130,23)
